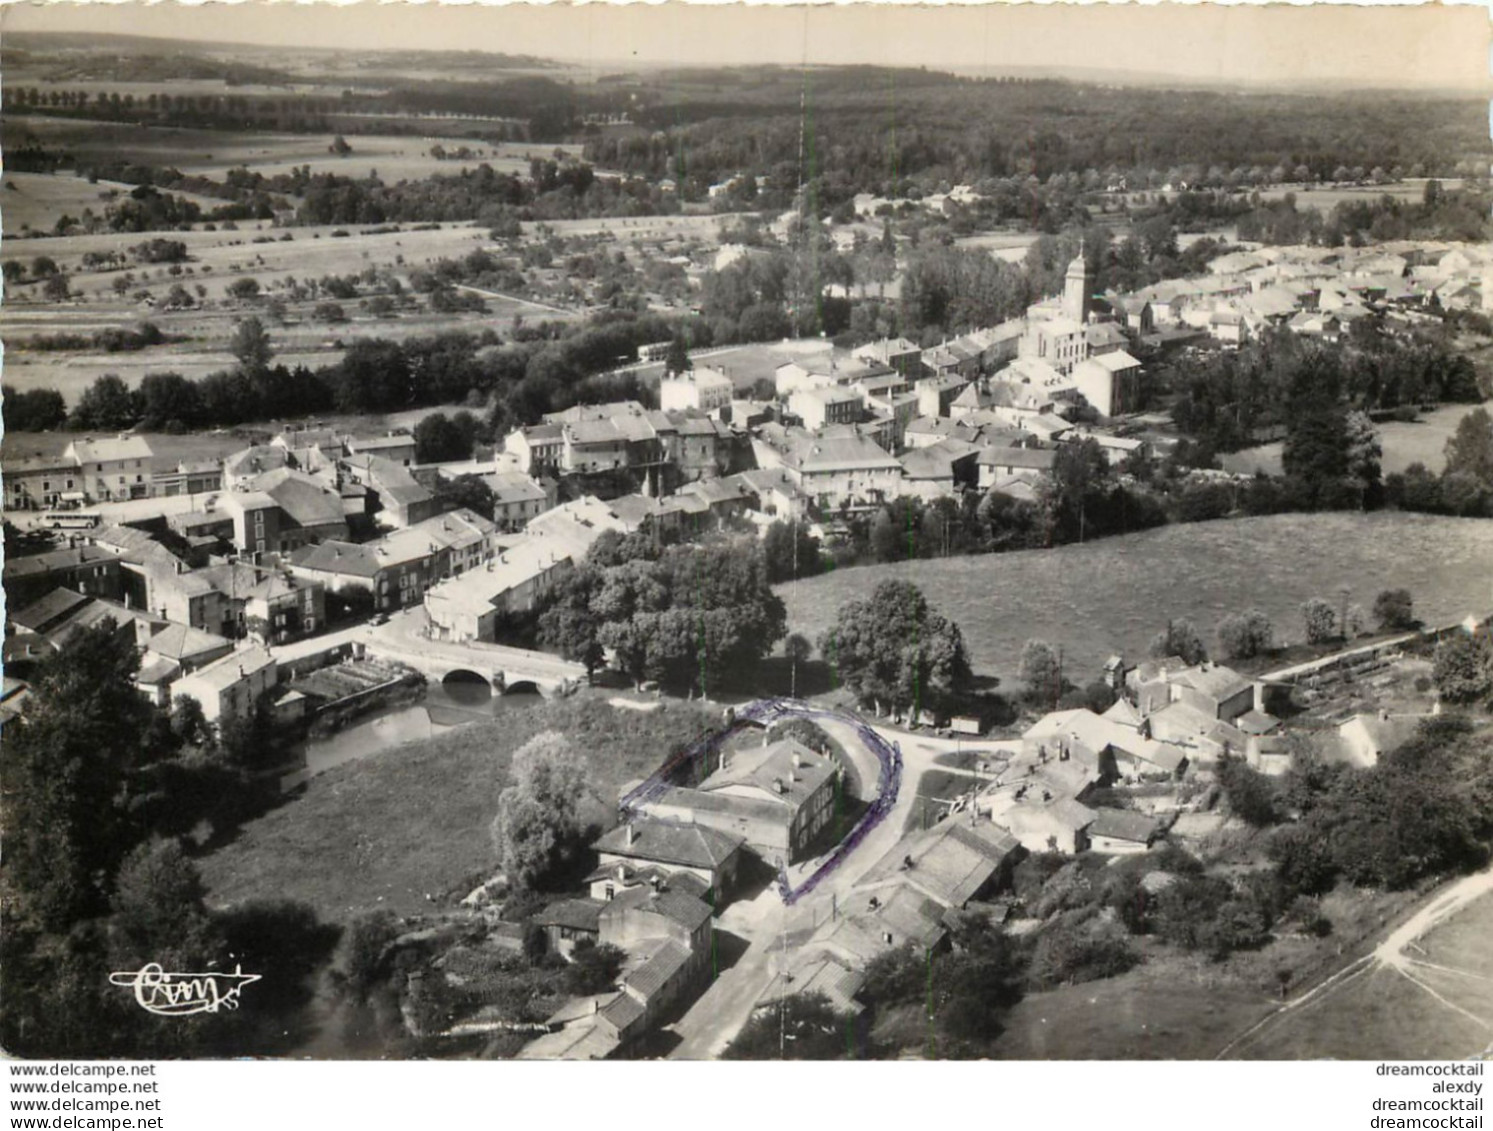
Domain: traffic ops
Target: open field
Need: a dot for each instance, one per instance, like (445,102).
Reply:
(1172,1008)
(1440,1006)
(310,251)
(216,260)
(1326,198)
(1114,595)
(389,829)
(211,152)
(1420,441)
(36,201)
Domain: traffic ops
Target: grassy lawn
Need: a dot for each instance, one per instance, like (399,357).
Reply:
(413,820)
(1114,595)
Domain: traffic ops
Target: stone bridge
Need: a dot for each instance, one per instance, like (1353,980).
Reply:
(504,669)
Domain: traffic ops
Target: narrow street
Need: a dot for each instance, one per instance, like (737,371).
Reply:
(719,1013)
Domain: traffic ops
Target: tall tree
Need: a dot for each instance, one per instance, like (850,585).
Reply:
(106,405)
(539,816)
(251,345)
(65,774)
(677,360)
(1179,638)
(1470,448)
(893,648)
(1041,671)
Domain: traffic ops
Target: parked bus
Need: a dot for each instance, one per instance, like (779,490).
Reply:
(70,520)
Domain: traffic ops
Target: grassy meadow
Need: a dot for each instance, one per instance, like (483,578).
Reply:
(1383,1014)
(412,821)
(1114,595)
(1404,442)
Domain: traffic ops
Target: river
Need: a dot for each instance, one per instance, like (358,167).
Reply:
(329,1026)
(442,706)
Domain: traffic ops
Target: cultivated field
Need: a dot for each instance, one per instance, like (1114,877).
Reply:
(1419,441)
(36,201)
(216,259)
(392,827)
(211,152)
(1325,199)
(1114,595)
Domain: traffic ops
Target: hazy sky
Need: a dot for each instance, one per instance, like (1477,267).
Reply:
(1379,45)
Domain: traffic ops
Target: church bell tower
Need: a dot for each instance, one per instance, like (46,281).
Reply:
(1077,287)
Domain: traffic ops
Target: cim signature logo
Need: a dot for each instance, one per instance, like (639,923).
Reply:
(179,995)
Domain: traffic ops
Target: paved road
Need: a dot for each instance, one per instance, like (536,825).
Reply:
(715,1019)
(128,510)
(720,1012)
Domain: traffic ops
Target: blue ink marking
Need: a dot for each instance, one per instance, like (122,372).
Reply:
(765,712)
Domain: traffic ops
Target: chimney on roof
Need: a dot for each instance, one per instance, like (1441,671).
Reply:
(632,833)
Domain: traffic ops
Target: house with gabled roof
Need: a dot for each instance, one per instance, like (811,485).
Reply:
(874,922)
(1122,832)
(89,570)
(839,466)
(310,510)
(953,862)
(939,470)
(1060,825)
(399,499)
(776,797)
(113,468)
(995,464)
(670,847)
(231,686)
(815,970)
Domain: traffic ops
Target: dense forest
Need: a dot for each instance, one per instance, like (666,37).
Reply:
(875,128)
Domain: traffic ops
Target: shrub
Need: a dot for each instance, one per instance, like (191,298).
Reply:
(1179,638)
(1395,610)
(1243,635)
(360,957)
(1077,947)
(1251,795)
(1320,621)
(1463,668)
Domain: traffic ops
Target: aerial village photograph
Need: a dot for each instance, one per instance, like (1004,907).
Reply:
(747,533)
